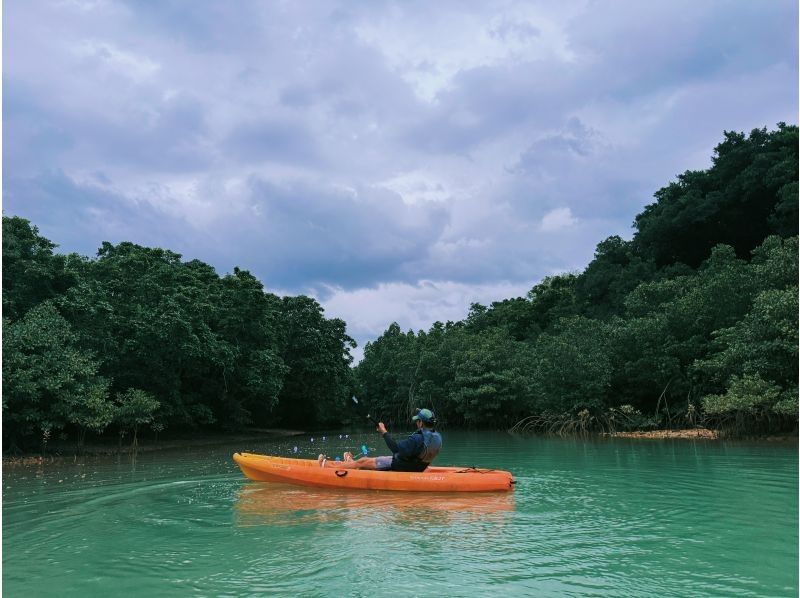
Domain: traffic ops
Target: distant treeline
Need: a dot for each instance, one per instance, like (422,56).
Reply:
(137,338)
(694,320)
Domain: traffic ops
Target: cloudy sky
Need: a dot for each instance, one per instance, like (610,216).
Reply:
(396,160)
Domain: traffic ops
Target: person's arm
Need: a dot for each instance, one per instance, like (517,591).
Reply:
(410,447)
(390,442)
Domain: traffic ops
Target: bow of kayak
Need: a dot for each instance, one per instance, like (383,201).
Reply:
(307,472)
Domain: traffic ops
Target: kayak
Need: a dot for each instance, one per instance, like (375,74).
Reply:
(307,472)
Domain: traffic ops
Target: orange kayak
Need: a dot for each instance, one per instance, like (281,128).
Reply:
(307,472)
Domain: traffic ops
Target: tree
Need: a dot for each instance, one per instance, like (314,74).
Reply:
(150,316)
(388,374)
(750,401)
(316,352)
(434,376)
(552,299)
(32,273)
(572,366)
(248,320)
(613,273)
(133,408)
(48,381)
(490,386)
(749,192)
(759,351)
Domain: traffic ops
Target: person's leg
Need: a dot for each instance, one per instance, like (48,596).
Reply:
(383,463)
(362,463)
(347,457)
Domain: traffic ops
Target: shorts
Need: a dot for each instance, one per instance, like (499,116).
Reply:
(383,463)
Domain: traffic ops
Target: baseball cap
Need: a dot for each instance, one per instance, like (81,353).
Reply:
(426,415)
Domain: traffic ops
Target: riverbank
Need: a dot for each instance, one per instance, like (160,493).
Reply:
(696,434)
(693,433)
(60,451)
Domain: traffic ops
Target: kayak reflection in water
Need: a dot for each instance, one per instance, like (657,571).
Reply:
(414,453)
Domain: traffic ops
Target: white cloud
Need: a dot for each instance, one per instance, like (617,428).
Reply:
(125,63)
(81,5)
(557,219)
(418,186)
(369,311)
(430,47)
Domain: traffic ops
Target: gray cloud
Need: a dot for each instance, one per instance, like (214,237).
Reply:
(252,142)
(299,234)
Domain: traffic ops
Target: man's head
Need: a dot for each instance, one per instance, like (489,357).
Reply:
(424,417)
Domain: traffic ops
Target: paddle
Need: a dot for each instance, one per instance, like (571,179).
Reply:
(361,409)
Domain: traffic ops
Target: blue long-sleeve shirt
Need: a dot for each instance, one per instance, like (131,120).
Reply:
(405,453)
(408,449)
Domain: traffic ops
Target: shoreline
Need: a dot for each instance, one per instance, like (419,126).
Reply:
(697,434)
(691,433)
(61,451)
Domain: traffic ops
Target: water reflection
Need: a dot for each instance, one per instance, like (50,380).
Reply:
(278,504)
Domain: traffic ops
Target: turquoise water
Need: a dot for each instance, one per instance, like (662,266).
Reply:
(588,518)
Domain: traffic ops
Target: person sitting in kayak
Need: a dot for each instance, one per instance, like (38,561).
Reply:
(414,453)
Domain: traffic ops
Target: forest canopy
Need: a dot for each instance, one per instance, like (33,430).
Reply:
(136,337)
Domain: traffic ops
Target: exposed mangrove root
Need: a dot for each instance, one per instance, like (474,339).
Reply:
(627,421)
(612,421)
(691,433)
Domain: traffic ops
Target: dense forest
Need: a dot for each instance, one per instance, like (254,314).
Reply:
(695,319)
(138,339)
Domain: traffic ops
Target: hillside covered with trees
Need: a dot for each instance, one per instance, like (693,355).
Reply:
(694,319)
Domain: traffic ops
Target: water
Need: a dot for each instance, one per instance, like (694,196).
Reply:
(588,518)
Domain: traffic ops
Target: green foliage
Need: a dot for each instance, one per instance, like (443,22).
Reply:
(752,403)
(209,351)
(389,372)
(552,299)
(763,345)
(31,272)
(748,193)
(48,381)
(749,394)
(133,408)
(627,418)
(490,383)
(315,351)
(572,367)
(614,272)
